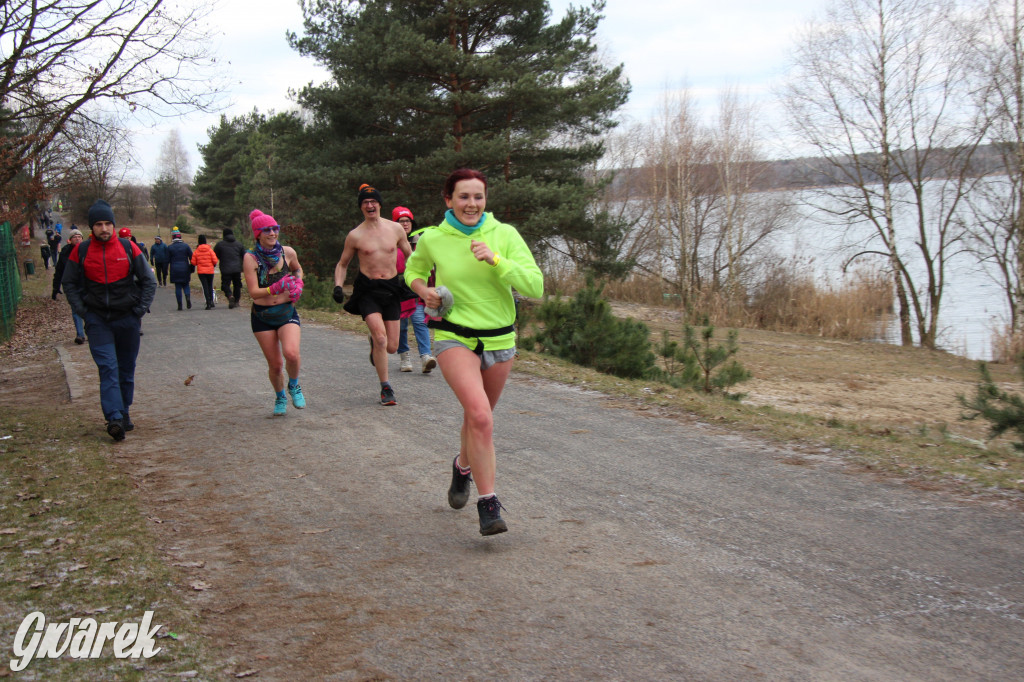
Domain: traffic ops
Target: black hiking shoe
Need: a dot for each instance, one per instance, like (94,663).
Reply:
(387,396)
(116,429)
(491,522)
(126,422)
(458,491)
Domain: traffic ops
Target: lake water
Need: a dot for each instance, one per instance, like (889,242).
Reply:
(973,304)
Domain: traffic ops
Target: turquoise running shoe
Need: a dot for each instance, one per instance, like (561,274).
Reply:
(298,400)
(280,406)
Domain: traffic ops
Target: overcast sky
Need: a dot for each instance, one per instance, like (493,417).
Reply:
(664,44)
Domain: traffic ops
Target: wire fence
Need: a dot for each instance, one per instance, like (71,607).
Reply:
(10,282)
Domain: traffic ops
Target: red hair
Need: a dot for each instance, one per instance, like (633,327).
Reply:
(460,175)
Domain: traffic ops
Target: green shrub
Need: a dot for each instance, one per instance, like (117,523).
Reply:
(1004,411)
(584,331)
(317,294)
(681,368)
(184,225)
(700,363)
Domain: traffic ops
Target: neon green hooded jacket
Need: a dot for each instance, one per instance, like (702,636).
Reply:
(482,292)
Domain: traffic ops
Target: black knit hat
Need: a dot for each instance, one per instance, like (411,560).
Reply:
(100,211)
(367,192)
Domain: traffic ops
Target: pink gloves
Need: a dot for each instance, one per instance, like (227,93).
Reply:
(290,283)
(283,284)
(296,289)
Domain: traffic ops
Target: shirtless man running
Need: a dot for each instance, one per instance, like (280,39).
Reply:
(379,290)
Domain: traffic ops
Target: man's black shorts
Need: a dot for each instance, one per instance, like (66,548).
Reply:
(382,296)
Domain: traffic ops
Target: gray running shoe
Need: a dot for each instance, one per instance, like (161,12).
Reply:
(491,522)
(458,491)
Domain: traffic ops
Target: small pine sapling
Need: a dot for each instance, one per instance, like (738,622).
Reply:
(1004,411)
(717,369)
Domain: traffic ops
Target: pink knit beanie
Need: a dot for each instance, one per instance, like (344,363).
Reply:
(260,221)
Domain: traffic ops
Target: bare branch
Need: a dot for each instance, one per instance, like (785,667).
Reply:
(60,57)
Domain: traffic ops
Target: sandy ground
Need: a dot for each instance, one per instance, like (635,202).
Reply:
(880,384)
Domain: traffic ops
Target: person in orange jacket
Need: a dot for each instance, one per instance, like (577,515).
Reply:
(205,259)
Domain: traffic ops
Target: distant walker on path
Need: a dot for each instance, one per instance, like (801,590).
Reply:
(230,252)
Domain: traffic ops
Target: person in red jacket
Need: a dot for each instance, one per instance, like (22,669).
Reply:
(109,284)
(205,260)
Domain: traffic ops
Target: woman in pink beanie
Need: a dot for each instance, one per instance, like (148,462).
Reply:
(273,277)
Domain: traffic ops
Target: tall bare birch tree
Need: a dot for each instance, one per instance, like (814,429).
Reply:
(620,199)
(746,217)
(879,89)
(706,214)
(67,60)
(997,61)
(174,175)
(679,193)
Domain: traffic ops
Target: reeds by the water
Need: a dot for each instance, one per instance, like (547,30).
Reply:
(786,299)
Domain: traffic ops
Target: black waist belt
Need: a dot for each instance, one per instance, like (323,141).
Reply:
(466,332)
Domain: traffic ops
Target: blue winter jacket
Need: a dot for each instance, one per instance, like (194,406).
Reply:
(159,253)
(180,271)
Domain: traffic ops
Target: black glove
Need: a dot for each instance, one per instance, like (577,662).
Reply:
(339,295)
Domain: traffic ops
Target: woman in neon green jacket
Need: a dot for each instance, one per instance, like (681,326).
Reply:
(479,260)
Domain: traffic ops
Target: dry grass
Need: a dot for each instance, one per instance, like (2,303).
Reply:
(73,543)
(1007,347)
(786,300)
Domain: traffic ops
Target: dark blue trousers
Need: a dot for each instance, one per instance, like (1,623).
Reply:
(114,345)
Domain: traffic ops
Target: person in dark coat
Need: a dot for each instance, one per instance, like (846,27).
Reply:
(160,257)
(74,239)
(109,284)
(230,252)
(180,268)
(142,247)
(53,240)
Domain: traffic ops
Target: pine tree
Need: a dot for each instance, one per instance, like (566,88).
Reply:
(422,87)
(225,168)
(716,366)
(1004,411)
(700,363)
(586,332)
